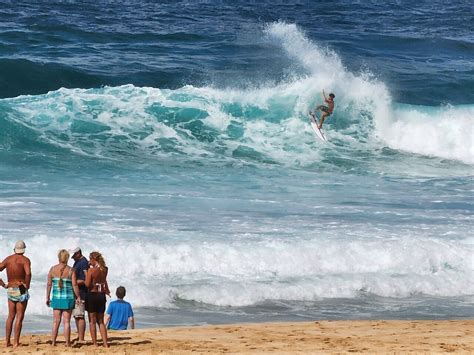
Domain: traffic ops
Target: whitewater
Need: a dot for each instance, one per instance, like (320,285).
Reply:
(214,203)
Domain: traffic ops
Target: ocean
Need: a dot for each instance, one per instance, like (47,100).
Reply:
(174,138)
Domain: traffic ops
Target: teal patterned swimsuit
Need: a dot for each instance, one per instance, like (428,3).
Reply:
(63,298)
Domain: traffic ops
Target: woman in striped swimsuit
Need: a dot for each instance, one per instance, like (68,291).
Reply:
(62,281)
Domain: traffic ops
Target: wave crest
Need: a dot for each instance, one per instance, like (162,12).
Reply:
(265,124)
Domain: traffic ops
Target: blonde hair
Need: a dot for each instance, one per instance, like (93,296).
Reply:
(99,258)
(63,256)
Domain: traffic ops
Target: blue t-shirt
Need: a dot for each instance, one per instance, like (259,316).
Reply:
(81,265)
(119,312)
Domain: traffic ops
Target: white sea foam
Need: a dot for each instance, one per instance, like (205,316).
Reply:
(247,272)
(446,132)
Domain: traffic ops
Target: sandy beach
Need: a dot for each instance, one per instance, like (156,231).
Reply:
(282,338)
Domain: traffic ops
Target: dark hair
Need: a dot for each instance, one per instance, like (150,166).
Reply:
(332,96)
(120,293)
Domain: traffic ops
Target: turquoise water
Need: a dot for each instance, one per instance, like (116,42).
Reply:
(181,150)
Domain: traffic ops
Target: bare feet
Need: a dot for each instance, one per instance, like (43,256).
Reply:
(8,344)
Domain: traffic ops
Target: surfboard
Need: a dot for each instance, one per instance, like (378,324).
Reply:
(314,125)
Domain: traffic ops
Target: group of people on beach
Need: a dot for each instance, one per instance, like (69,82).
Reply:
(70,292)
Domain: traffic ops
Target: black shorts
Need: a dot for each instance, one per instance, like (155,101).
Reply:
(325,109)
(95,302)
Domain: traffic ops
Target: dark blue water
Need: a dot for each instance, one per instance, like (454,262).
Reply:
(424,50)
(175,136)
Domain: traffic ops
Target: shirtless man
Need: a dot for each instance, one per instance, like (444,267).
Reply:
(326,110)
(19,276)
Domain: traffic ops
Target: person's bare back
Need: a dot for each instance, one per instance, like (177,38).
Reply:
(18,270)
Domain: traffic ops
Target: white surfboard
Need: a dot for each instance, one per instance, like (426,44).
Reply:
(314,125)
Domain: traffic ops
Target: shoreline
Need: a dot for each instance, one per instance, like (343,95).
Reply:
(377,336)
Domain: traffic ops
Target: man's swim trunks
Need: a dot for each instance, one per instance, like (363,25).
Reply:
(79,310)
(14,294)
(325,109)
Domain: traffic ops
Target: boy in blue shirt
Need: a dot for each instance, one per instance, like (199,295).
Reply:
(119,313)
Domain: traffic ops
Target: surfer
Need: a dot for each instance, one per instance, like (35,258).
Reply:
(326,110)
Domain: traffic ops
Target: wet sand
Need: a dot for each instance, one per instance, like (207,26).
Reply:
(279,338)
